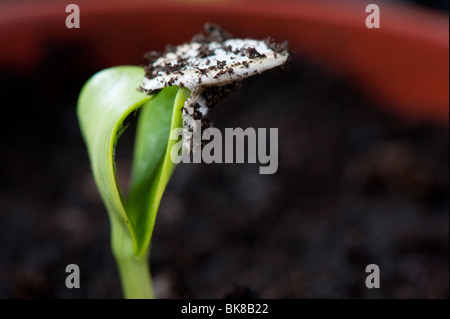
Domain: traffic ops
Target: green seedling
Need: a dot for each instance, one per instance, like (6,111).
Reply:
(167,97)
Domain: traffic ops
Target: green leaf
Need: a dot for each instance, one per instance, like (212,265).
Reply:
(106,100)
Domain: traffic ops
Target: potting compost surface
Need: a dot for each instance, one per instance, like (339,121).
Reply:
(355,186)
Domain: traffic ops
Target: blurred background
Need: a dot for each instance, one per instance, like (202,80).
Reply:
(363,154)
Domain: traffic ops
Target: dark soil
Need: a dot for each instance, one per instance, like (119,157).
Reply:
(355,186)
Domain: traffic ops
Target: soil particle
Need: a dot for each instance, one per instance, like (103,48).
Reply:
(252,53)
(212,32)
(215,94)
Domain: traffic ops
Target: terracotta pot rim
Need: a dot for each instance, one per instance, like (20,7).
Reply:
(409,83)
